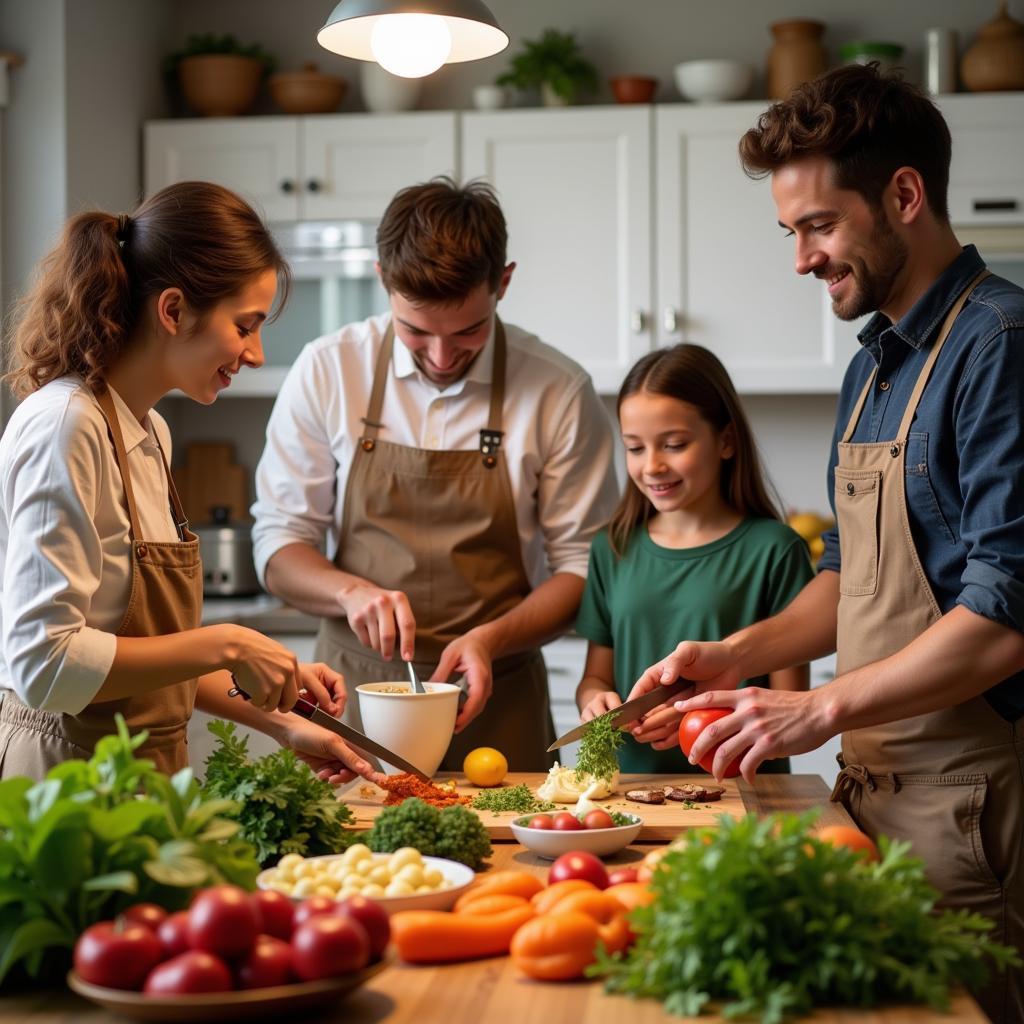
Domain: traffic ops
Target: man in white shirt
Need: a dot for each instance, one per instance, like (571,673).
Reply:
(455,479)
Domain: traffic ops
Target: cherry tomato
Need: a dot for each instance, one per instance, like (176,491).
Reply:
(372,916)
(269,963)
(173,934)
(598,819)
(194,971)
(579,864)
(541,821)
(620,875)
(329,945)
(117,955)
(310,908)
(277,912)
(222,920)
(563,821)
(693,725)
(148,914)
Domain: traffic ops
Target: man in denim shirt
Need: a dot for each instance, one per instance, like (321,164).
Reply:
(921,587)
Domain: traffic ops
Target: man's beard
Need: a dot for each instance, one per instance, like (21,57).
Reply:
(872,282)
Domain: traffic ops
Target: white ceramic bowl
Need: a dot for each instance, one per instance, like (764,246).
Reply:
(457,875)
(489,97)
(713,81)
(552,843)
(419,726)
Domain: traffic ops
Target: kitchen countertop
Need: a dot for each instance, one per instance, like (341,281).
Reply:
(263,612)
(492,990)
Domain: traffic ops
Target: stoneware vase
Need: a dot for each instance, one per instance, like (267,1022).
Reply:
(385,93)
(994,62)
(220,84)
(796,57)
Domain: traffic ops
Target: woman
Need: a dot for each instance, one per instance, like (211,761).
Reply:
(102,586)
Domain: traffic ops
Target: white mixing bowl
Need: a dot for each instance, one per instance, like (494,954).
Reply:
(713,81)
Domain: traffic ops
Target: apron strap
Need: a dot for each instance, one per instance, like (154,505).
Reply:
(380,378)
(106,403)
(177,509)
(851,426)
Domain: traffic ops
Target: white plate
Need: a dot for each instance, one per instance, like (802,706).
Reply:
(553,843)
(457,875)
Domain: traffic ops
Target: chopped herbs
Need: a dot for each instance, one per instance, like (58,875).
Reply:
(511,798)
(597,749)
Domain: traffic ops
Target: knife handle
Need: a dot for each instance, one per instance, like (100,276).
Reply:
(302,707)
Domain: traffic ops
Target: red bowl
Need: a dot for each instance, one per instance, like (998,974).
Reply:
(633,88)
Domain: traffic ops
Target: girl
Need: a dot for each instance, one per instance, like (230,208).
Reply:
(695,548)
(101,588)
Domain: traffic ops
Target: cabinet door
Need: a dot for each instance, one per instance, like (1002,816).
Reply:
(353,164)
(575,187)
(725,268)
(255,156)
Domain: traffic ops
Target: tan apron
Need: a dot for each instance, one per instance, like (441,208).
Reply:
(949,781)
(166,597)
(440,526)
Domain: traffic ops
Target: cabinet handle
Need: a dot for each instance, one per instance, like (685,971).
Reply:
(994,205)
(638,321)
(313,185)
(670,320)
(287,186)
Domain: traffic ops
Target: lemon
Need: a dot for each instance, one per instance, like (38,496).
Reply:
(485,766)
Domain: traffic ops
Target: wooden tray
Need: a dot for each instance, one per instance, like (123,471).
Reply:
(662,822)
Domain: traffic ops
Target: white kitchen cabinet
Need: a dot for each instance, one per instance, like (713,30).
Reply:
(343,166)
(565,659)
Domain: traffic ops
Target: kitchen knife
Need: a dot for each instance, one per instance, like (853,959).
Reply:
(629,711)
(308,710)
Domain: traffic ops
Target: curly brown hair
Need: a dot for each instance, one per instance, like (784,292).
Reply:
(869,124)
(91,290)
(438,241)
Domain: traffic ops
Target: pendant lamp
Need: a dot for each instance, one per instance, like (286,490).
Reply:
(410,38)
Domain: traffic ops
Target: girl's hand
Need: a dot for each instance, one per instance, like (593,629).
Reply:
(263,668)
(324,685)
(660,728)
(607,700)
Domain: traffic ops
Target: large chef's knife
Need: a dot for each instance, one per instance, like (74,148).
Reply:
(308,710)
(629,711)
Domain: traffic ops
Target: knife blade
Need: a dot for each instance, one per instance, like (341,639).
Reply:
(629,711)
(308,710)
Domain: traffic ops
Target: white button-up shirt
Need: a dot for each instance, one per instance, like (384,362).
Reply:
(557,440)
(64,539)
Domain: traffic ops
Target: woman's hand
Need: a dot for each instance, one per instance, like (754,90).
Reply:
(265,670)
(330,757)
(606,700)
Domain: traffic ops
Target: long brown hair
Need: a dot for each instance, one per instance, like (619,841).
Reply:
(695,375)
(92,288)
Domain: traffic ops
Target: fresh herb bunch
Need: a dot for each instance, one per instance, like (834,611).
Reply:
(285,808)
(197,45)
(597,756)
(511,798)
(453,832)
(97,835)
(765,919)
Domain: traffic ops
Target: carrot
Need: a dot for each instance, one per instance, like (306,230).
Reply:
(494,903)
(435,936)
(512,883)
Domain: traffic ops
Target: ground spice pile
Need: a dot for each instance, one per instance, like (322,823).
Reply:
(401,787)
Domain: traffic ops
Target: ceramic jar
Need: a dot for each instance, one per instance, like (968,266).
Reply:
(385,93)
(220,84)
(796,57)
(995,61)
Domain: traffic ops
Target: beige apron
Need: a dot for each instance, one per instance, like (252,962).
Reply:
(440,526)
(166,597)
(949,781)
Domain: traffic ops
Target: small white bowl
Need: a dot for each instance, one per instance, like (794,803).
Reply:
(489,97)
(553,843)
(713,81)
(418,726)
(457,875)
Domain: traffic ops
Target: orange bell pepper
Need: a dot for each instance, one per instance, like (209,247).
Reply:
(547,898)
(555,947)
(606,911)
(631,894)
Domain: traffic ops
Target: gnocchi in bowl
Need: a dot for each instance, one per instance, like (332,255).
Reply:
(403,880)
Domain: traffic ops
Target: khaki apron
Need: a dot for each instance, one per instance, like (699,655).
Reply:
(440,526)
(165,597)
(949,781)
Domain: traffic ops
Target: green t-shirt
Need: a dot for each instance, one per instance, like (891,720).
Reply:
(643,604)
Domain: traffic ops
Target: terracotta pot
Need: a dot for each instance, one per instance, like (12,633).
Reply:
(796,57)
(308,91)
(220,85)
(995,60)
(633,88)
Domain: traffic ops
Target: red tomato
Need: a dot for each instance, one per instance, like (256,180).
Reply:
(173,934)
(329,945)
(579,864)
(187,973)
(620,875)
(148,914)
(310,908)
(276,911)
(372,916)
(563,821)
(116,955)
(598,819)
(541,821)
(222,920)
(693,725)
(269,963)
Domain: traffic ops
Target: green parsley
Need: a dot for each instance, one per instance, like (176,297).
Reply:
(597,756)
(511,798)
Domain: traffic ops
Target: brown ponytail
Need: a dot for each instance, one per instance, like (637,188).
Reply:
(92,288)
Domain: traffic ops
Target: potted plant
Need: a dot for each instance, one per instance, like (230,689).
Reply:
(218,76)
(553,62)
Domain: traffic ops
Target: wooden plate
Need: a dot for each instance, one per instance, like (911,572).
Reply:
(217,1006)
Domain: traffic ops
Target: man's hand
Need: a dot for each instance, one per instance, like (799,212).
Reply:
(471,657)
(711,665)
(330,757)
(376,615)
(324,686)
(659,727)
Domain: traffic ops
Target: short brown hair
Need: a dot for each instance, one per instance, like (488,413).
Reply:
(867,123)
(438,241)
(91,290)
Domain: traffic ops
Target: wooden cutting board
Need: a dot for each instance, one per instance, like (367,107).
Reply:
(662,822)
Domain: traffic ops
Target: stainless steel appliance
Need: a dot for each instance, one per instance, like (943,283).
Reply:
(226,551)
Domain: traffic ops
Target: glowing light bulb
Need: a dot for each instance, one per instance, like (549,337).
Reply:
(410,45)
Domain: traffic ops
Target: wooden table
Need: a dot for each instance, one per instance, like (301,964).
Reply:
(492,991)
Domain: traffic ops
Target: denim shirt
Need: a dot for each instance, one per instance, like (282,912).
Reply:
(965,453)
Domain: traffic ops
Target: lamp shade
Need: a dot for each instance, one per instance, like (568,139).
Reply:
(349,30)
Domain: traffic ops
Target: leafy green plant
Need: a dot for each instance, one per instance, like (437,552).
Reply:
(97,835)
(554,60)
(452,832)
(211,43)
(597,757)
(764,919)
(285,808)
